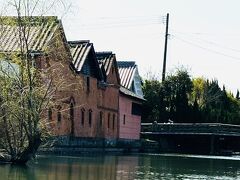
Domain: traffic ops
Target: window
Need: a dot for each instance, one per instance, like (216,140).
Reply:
(108,120)
(83,116)
(113,121)
(50,114)
(101,118)
(136,109)
(88,84)
(124,119)
(71,112)
(90,117)
(59,115)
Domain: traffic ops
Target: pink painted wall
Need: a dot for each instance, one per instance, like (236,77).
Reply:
(131,128)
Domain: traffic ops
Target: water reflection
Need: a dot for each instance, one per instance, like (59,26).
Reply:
(122,168)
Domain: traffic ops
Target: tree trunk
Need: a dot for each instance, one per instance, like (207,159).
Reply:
(29,152)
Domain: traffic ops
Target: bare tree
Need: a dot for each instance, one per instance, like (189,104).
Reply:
(32,53)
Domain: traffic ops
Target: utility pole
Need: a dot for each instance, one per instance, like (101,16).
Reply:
(165,50)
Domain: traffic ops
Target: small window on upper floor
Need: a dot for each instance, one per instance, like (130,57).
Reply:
(50,114)
(136,109)
(88,83)
(124,119)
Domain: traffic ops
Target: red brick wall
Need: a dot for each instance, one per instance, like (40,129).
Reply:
(96,99)
(74,89)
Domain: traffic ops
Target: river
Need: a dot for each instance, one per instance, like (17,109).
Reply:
(124,167)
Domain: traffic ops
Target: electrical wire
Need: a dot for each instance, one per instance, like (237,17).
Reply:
(204,48)
(216,44)
(122,22)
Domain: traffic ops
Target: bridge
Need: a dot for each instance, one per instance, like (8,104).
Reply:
(190,129)
(201,138)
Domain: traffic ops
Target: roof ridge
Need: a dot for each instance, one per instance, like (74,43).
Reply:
(104,52)
(27,20)
(78,42)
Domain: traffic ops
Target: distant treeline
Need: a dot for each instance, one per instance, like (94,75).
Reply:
(184,100)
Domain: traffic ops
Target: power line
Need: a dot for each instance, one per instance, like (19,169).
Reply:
(118,22)
(206,49)
(208,34)
(216,44)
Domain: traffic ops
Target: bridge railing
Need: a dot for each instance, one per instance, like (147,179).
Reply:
(217,128)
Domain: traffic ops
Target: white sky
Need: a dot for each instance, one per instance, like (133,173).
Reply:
(205,34)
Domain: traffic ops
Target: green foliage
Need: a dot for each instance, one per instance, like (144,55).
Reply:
(152,106)
(183,99)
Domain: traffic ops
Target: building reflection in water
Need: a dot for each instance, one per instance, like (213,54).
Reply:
(71,168)
(122,168)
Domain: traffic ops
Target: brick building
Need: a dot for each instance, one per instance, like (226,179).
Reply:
(130,101)
(99,99)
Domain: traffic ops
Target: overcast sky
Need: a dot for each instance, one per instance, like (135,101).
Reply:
(204,34)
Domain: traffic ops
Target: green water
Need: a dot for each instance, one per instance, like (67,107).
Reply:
(111,167)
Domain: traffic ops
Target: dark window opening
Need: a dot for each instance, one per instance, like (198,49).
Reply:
(50,114)
(108,120)
(88,84)
(83,115)
(136,109)
(71,112)
(90,117)
(59,116)
(113,121)
(101,118)
(124,119)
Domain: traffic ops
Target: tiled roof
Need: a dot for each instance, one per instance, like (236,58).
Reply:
(39,30)
(126,71)
(84,58)
(79,51)
(105,60)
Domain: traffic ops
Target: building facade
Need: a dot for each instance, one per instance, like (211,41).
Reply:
(96,96)
(130,101)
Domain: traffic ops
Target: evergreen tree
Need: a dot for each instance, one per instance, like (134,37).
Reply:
(237,95)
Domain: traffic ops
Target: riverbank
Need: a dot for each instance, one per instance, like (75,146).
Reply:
(67,145)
